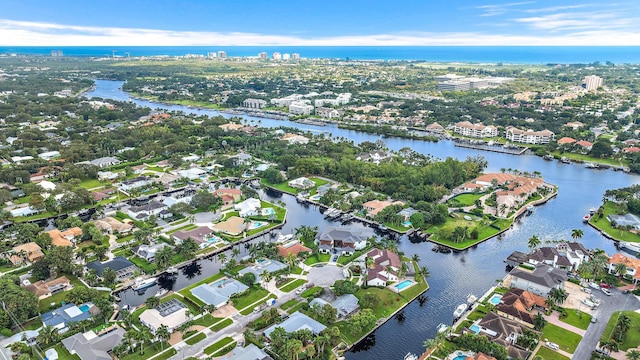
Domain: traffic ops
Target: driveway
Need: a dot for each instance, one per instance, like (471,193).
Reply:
(617,301)
(325,276)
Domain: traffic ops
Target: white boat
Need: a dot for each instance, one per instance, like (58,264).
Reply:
(442,327)
(459,311)
(141,284)
(633,248)
(471,299)
(284,238)
(586,218)
(410,356)
(161,292)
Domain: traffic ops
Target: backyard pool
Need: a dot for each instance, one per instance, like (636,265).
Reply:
(256,224)
(475,328)
(495,299)
(219,282)
(403,285)
(268,211)
(84,308)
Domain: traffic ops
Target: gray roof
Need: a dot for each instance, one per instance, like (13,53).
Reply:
(149,251)
(116,264)
(297,321)
(344,234)
(624,220)
(251,352)
(105,161)
(407,212)
(96,348)
(346,304)
(543,275)
(270,265)
(150,206)
(65,314)
(318,301)
(220,293)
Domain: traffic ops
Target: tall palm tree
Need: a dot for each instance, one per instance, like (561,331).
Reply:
(610,345)
(633,354)
(48,335)
(129,337)
(576,234)
(291,259)
(534,242)
(265,276)
(416,258)
(620,269)
(163,335)
(235,252)
(163,258)
(222,257)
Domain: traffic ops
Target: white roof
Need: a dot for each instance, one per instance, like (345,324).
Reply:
(47,185)
(73,311)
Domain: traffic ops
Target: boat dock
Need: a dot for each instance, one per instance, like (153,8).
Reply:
(499,148)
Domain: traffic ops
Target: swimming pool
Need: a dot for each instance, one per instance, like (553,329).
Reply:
(84,308)
(256,224)
(218,283)
(403,284)
(495,299)
(475,328)
(213,239)
(268,211)
(460,357)
(406,223)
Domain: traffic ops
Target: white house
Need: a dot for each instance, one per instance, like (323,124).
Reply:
(302,183)
(49,155)
(191,173)
(248,207)
(135,183)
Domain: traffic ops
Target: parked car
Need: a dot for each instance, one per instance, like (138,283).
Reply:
(552,346)
(606,291)
(587,290)
(594,286)
(594,319)
(606,286)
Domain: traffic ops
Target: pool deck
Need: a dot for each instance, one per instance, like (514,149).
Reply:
(393,287)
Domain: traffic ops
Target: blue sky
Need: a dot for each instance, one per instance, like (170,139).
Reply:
(328,22)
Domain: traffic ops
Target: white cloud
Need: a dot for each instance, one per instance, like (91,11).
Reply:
(499,9)
(567,21)
(20,33)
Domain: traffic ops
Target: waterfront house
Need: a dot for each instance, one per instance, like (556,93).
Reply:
(233,194)
(64,238)
(271,266)
(539,281)
(633,266)
(148,252)
(233,226)
(373,207)
(407,213)
(297,321)
(30,252)
(292,247)
(295,139)
(505,332)
(302,183)
(143,212)
(346,305)
(61,317)
(219,292)
(171,314)
(384,268)
(249,207)
(43,289)
(201,234)
(375,157)
(112,225)
(566,141)
(625,220)
(518,304)
(92,346)
(123,268)
(435,128)
(341,240)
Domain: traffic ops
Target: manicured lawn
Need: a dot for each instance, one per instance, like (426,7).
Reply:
(221,325)
(548,354)
(41,215)
(282,187)
(318,258)
(587,158)
(632,340)
(45,304)
(186,292)
(143,264)
(251,296)
(297,270)
(464,200)
(319,182)
(388,301)
(485,230)
(289,304)
(206,320)
(218,345)
(567,340)
(195,339)
(290,286)
(581,321)
(166,354)
(148,352)
(311,293)
(183,228)
(604,225)
(91,183)
(63,353)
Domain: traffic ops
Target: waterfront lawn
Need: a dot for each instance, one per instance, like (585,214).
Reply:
(282,187)
(581,320)
(195,339)
(388,301)
(221,324)
(218,345)
(632,340)
(567,340)
(548,354)
(463,200)
(587,158)
(485,230)
(319,182)
(186,292)
(611,208)
(292,285)
(144,265)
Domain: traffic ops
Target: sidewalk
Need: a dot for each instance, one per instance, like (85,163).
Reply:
(555,320)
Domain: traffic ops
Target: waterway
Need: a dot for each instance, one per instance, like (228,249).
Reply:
(455,275)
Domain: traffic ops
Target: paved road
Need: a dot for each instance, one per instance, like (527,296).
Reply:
(617,301)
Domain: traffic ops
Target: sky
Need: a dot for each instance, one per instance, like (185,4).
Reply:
(318,23)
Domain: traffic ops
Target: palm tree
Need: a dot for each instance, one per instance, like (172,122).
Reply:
(611,346)
(291,259)
(416,258)
(534,242)
(265,276)
(576,234)
(163,335)
(222,257)
(48,335)
(235,252)
(620,269)
(424,271)
(633,354)
(163,258)
(127,318)
(129,337)
(152,302)
(539,322)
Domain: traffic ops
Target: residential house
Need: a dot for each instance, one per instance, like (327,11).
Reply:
(143,212)
(346,305)
(175,198)
(233,226)
(566,141)
(297,321)
(329,113)
(302,183)
(49,155)
(108,175)
(148,252)
(190,158)
(259,267)
(171,314)
(219,293)
(435,128)
(292,247)
(295,139)
(123,268)
(135,183)
(61,317)
(90,346)
(44,289)
(528,136)
(229,196)
(373,207)
(375,157)
(30,252)
(625,220)
(632,264)
(192,173)
(64,238)
(505,332)
(113,226)
(201,235)
(99,195)
(105,161)
(466,128)
(139,169)
(407,213)
(384,268)
(249,207)
(518,304)
(539,281)
(250,352)
(585,145)
(549,256)
(231,126)
(341,240)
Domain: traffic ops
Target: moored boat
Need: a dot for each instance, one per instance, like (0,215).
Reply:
(459,311)
(586,218)
(141,284)
(471,299)
(630,247)
(442,327)
(564,160)
(161,292)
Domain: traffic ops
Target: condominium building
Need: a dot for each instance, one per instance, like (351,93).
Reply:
(466,128)
(529,136)
(222,54)
(262,56)
(592,82)
(276,56)
(300,108)
(254,103)
(295,56)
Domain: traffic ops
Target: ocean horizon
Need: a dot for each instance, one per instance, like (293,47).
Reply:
(468,54)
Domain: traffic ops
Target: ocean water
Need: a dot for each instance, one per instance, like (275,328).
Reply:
(473,54)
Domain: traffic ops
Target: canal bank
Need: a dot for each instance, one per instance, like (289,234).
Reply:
(454,275)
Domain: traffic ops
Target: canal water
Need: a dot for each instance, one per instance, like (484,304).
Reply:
(453,276)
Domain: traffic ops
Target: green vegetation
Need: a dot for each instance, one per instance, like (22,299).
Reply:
(632,337)
(485,227)
(292,285)
(581,320)
(166,354)
(218,345)
(148,351)
(463,200)
(603,224)
(313,292)
(221,324)
(567,340)
(317,258)
(206,320)
(195,339)
(63,353)
(548,354)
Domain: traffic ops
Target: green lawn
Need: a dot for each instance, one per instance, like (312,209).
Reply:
(144,265)
(318,258)
(91,183)
(44,305)
(63,353)
(319,182)
(632,340)
(206,320)
(195,339)
(311,293)
(604,225)
(463,200)
(148,351)
(292,285)
(249,297)
(221,325)
(548,354)
(218,345)
(166,354)
(183,228)
(186,292)
(580,320)
(297,270)
(567,340)
(282,187)
(586,158)
(289,304)
(485,230)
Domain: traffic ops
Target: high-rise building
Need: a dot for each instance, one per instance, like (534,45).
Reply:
(262,56)
(211,55)
(295,56)
(276,56)
(222,54)
(286,56)
(592,82)
(55,53)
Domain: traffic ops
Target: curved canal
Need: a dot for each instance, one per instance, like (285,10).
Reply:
(453,276)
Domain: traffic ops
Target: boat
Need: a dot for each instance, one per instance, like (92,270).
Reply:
(410,356)
(548,157)
(564,160)
(382,227)
(586,218)
(459,311)
(141,284)
(161,292)
(529,209)
(630,247)
(442,327)
(591,165)
(471,299)
(284,238)
(592,211)
(300,198)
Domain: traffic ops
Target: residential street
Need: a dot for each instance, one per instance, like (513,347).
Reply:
(618,301)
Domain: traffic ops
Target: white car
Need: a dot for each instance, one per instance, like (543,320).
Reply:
(587,290)
(594,286)
(606,291)
(552,346)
